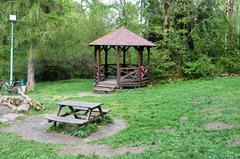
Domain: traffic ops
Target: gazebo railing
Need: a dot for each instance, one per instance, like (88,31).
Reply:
(111,69)
(99,74)
(130,75)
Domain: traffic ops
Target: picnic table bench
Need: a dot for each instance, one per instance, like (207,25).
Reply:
(80,112)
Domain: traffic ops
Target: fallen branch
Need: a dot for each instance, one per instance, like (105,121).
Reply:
(34,104)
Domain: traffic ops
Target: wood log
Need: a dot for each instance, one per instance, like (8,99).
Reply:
(34,104)
(16,102)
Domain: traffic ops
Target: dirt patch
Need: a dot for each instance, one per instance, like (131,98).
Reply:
(83,94)
(99,150)
(183,119)
(164,130)
(233,143)
(4,110)
(34,128)
(7,115)
(218,126)
(211,111)
(108,130)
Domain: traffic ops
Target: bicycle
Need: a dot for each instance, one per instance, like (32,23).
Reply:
(13,89)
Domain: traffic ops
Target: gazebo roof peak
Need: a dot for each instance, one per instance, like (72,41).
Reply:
(121,37)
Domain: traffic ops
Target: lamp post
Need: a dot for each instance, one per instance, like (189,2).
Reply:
(12,18)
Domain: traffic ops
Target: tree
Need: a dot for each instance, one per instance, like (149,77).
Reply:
(4,23)
(230,15)
(36,18)
(166,4)
(127,15)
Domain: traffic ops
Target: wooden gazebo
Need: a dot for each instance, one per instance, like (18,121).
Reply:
(121,75)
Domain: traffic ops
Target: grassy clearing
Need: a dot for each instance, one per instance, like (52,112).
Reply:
(153,116)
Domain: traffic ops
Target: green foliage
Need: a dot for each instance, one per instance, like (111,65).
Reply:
(71,130)
(60,32)
(85,131)
(231,62)
(126,14)
(203,67)
(199,41)
(162,64)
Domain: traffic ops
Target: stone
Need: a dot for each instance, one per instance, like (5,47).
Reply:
(23,108)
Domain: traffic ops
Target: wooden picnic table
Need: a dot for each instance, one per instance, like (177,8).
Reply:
(80,112)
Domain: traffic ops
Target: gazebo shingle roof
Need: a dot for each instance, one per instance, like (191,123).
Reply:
(121,37)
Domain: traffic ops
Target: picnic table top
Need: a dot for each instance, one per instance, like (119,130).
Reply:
(80,104)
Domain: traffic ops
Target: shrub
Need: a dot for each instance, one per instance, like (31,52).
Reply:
(202,67)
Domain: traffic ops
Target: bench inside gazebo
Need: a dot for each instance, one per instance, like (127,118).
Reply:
(121,74)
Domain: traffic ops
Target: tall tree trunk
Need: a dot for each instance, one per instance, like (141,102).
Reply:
(31,74)
(229,39)
(230,9)
(166,15)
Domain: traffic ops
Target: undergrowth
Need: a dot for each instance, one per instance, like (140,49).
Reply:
(80,131)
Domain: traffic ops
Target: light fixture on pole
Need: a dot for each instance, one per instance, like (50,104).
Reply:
(12,18)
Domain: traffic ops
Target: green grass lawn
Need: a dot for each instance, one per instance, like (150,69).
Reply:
(153,117)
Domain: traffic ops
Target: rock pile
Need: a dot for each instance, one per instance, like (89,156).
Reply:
(20,103)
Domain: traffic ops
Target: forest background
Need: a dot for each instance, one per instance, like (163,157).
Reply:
(194,38)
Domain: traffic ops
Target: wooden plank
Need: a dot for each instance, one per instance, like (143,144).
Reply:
(129,81)
(148,51)
(118,67)
(130,85)
(70,120)
(99,63)
(107,86)
(139,65)
(105,111)
(79,104)
(124,56)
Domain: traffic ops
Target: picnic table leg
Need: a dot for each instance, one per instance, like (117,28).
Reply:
(73,111)
(59,111)
(89,114)
(86,112)
(101,112)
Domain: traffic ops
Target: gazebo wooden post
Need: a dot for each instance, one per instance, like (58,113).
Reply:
(99,63)
(124,56)
(139,65)
(106,62)
(95,55)
(95,65)
(142,48)
(148,52)
(118,67)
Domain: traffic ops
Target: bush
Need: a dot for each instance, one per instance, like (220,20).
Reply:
(162,65)
(202,67)
(231,62)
